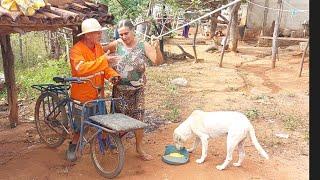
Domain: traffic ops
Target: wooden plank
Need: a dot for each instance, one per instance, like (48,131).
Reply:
(285,38)
(78,7)
(8,66)
(302,60)
(91,5)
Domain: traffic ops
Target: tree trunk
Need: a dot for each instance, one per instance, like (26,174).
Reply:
(8,66)
(194,43)
(46,40)
(234,30)
(275,36)
(228,32)
(21,49)
(213,24)
(265,18)
(65,37)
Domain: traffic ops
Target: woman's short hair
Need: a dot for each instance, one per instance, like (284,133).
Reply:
(125,23)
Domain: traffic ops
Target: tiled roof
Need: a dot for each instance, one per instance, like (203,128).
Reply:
(54,15)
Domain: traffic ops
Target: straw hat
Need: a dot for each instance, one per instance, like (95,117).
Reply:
(90,25)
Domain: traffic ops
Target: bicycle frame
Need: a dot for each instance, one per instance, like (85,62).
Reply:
(66,102)
(101,105)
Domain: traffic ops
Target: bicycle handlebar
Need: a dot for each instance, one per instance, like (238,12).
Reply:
(78,80)
(70,79)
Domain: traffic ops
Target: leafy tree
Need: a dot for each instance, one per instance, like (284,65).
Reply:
(129,9)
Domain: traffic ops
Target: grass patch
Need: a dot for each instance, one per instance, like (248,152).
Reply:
(173,114)
(291,123)
(41,73)
(252,113)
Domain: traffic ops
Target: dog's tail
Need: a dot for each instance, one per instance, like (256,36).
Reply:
(256,143)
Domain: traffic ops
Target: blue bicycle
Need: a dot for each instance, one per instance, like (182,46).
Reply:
(55,117)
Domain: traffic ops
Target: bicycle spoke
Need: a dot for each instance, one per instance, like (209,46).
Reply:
(49,119)
(107,154)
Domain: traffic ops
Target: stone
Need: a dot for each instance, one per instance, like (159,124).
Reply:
(179,82)
(286,32)
(282,135)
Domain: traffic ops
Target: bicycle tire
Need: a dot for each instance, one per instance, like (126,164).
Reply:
(106,160)
(45,102)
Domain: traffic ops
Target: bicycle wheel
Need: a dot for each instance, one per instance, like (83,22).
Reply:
(50,127)
(107,155)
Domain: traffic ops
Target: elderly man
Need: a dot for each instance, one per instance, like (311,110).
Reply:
(88,60)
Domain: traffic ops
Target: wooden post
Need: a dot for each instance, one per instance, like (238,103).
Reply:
(265,17)
(226,38)
(8,66)
(275,36)
(75,32)
(304,53)
(194,43)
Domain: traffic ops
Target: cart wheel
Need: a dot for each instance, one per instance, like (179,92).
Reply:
(50,128)
(107,155)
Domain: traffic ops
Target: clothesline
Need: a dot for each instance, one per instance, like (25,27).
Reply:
(284,10)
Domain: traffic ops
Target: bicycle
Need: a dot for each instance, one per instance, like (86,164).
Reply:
(54,119)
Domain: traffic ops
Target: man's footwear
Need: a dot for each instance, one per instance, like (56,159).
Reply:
(71,152)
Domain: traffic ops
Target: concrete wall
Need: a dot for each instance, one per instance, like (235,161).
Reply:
(292,18)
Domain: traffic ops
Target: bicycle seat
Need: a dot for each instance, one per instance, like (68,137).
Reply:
(118,122)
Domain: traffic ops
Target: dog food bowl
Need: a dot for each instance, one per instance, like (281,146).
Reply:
(174,156)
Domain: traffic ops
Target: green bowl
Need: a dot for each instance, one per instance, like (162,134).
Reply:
(175,160)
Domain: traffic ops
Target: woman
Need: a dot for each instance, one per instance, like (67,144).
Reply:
(135,54)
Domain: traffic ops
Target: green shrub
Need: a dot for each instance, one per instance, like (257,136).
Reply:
(39,74)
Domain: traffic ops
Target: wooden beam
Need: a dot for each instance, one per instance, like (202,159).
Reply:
(8,66)
(285,38)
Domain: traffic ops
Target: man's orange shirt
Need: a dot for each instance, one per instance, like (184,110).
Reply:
(91,64)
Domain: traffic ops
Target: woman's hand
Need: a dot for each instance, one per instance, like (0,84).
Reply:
(112,59)
(114,80)
(153,51)
(154,42)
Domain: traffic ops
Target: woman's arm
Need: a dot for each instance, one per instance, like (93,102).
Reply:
(111,47)
(153,52)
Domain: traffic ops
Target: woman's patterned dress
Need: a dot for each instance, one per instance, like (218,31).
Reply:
(131,68)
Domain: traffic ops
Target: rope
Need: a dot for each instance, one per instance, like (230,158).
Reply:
(208,14)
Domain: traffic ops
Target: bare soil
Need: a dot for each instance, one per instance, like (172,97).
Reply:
(275,100)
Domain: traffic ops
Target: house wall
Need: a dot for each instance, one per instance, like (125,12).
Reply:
(291,19)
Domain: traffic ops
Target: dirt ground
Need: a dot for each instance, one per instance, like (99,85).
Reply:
(275,100)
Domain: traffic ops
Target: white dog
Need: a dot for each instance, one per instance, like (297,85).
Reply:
(207,125)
